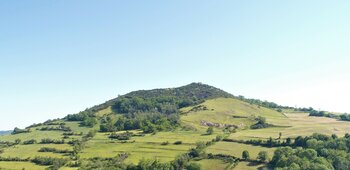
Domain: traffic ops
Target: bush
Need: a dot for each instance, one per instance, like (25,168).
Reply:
(46,161)
(49,141)
(245,155)
(121,136)
(261,123)
(177,142)
(57,128)
(165,143)
(29,142)
(90,134)
(14,159)
(210,130)
(53,150)
(263,156)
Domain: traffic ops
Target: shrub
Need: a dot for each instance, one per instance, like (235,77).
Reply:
(210,130)
(263,156)
(54,150)
(121,136)
(245,155)
(45,161)
(165,143)
(177,142)
(29,142)
(49,141)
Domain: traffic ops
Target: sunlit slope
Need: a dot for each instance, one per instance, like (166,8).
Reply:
(230,111)
(300,125)
(150,146)
(38,135)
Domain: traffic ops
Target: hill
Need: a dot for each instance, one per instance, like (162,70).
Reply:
(177,128)
(5,132)
(189,95)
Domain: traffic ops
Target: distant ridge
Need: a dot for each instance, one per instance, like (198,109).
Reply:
(5,132)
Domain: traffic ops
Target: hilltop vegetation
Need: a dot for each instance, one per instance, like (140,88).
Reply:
(191,127)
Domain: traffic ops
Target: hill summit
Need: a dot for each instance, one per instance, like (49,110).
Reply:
(190,94)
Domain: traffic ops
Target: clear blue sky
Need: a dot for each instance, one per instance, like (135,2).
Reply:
(60,57)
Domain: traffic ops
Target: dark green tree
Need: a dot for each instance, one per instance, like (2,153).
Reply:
(210,130)
(245,155)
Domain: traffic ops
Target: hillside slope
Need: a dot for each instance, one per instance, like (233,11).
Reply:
(230,111)
(166,125)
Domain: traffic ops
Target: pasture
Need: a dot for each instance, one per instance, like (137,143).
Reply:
(148,146)
(300,125)
(231,112)
(209,164)
(20,165)
(236,149)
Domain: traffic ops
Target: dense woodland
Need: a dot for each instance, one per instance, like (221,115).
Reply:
(314,152)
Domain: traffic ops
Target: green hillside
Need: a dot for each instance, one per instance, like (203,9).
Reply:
(194,126)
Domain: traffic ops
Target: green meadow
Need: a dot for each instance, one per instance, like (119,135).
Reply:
(20,165)
(148,146)
(236,149)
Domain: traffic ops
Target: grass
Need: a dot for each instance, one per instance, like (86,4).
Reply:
(38,135)
(233,112)
(209,164)
(105,111)
(300,124)
(20,165)
(148,147)
(236,149)
(249,166)
(75,126)
(26,151)
(34,134)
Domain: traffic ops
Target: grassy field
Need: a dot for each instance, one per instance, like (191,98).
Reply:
(233,112)
(301,124)
(103,112)
(38,135)
(209,164)
(248,166)
(236,149)
(20,165)
(148,147)
(26,151)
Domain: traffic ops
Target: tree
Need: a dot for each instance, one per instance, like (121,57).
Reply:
(89,122)
(245,155)
(210,130)
(334,136)
(288,141)
(263,156)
